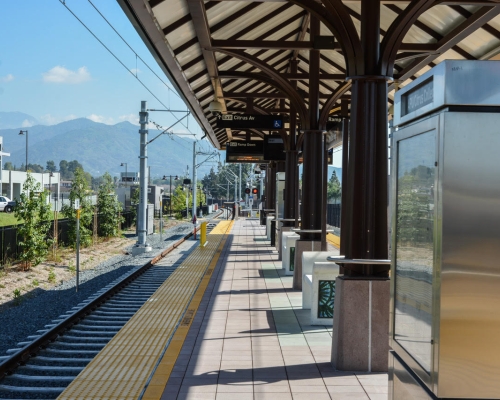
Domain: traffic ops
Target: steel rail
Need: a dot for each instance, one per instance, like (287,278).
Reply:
(8,366)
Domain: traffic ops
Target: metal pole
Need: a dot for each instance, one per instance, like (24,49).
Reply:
(26,151)
(161,217)
(239,197)
(77,249)
(141,245)
(170,195)
(194,179)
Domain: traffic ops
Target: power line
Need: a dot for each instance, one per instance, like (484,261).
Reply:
(116,57)
(133,51)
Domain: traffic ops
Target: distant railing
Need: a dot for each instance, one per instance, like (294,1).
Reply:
(10,250)
(333,215)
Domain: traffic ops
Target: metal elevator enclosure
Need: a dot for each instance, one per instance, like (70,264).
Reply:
(445,286)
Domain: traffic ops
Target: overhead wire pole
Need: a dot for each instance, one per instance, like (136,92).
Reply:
(141,245)
(194,179)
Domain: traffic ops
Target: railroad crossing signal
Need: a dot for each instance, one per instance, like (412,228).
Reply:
(255,191)
(247,190)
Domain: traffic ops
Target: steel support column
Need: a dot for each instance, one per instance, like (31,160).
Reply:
(367,165)
(291,170)
(346,205)
(271,186)
(367,169)
(313,150)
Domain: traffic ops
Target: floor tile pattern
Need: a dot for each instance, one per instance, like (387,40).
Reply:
(250,339)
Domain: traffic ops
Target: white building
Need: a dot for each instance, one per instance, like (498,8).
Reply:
(12,183)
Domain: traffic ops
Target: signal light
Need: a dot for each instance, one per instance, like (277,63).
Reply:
(255,191)
(247,190)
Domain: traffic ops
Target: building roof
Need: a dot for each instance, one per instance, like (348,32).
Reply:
(229,47)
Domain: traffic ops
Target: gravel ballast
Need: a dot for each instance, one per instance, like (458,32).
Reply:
(43,306)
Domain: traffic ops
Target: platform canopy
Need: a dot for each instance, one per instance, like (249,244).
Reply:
(242,52)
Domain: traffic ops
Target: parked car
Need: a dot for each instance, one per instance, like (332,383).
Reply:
(7,204)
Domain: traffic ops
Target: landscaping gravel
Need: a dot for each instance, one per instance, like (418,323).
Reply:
(43,306)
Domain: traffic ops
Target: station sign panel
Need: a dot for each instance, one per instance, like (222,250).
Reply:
(249,121)
(334,124)
(244,152)
(274,148)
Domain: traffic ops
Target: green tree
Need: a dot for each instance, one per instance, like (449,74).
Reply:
(35,168)
(34,210)
(79,190)
(179,200)
(51,166)
(63,169)
(134,202)
(334,189)
(109,207)
(9,167)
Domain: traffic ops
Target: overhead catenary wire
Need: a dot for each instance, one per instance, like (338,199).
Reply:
(137,56)
(118,59)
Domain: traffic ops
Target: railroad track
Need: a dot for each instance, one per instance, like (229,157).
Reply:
(43,366)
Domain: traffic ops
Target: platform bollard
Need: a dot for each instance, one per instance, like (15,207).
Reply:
(203,234)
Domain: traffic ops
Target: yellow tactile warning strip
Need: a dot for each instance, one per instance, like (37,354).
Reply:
(122,369)
(221,228)
(162,373)
(334,240)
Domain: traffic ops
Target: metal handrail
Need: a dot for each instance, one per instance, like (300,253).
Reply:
(343,260)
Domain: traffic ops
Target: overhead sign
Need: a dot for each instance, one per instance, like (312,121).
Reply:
(334,124)
(274,148)
(249,121)
(417,97)
(244,152)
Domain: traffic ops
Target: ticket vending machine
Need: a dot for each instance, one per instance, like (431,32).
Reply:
(445,273)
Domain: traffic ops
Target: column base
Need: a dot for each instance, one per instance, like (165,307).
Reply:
(360,336)
(141,249)
(300,247)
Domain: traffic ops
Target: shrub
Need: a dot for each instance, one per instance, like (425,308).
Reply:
(35,211)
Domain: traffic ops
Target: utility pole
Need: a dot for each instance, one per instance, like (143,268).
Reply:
(194,178)
(141,245)
(239,191)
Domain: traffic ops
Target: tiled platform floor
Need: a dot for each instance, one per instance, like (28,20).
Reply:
(251,340)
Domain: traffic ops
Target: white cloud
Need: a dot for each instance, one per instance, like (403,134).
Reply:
(101,119)
(49,119)
(60,74)
(7,78)
(135,71)
(26,124)
(132,118)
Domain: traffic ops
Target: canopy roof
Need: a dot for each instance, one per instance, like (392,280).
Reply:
(241,49)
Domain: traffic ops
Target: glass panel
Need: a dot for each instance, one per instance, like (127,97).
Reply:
(326,297)
(414,246)
(292,258)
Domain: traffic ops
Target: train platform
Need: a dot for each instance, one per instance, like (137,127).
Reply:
(226,325)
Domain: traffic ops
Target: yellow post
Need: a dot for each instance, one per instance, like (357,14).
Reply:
(203,234)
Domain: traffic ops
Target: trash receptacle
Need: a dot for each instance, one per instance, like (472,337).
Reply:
(273,232)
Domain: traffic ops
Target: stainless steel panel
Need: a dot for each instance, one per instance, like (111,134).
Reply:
(280,195)
(414,246)
(402,385)
(412,250)
(455,82)
(469,343)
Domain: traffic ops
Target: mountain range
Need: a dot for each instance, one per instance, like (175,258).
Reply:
(98,147)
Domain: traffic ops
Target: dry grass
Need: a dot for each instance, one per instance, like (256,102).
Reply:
(63,267)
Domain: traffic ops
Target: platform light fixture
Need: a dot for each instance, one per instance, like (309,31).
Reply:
(21,132)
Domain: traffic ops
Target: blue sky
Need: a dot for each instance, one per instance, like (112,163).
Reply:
(52,68)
